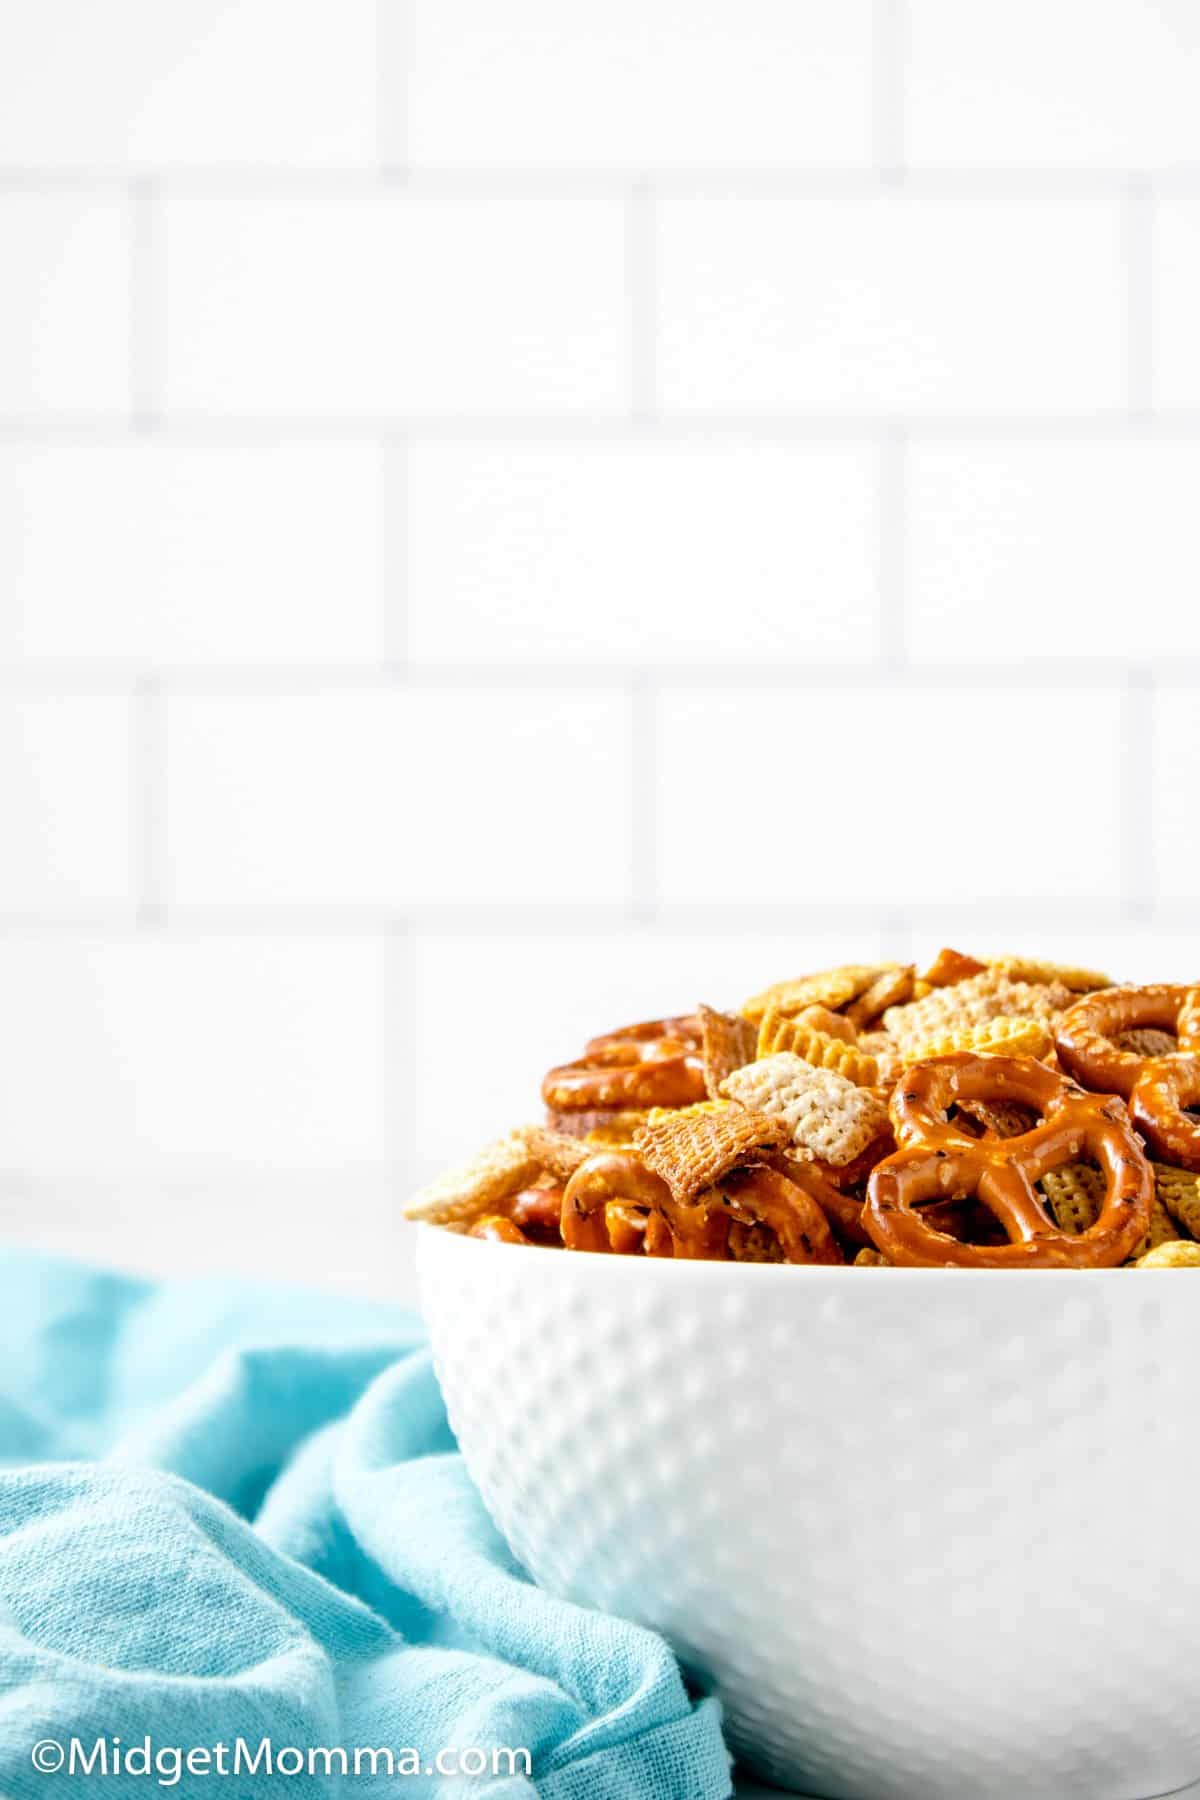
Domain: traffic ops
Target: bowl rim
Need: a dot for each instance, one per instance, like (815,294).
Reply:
(432,1239)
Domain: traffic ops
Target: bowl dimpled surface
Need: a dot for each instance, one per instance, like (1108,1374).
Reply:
(927,1533)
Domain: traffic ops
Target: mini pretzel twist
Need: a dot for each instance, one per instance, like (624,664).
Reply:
(599,1196)
(1160,1089)
(658,1063)
(936,1162)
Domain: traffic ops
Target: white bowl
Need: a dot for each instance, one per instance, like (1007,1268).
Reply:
(927,1533)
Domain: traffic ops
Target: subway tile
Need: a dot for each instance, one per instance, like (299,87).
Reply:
(188,1052)
(180,556)
(206,82)
(1072,550)
(376,302)
(389,796)
(1175,290)
(883,795)
(64,301)
(640,84)
(1060,85)
(66,802)
(1172,799)
(668,553)
(889,301)
(536,996)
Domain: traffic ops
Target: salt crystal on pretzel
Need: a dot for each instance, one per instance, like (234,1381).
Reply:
(829,987)
(991,995)
(817,1047)
(1179,1191)
(727,1041)
(828,1117)
(1042,973)
(1177,1255)
(995,1037)
(694,1146)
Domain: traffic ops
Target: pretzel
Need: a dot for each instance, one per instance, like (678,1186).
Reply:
(951,966)
(609,1176)
(657,1063)
(787,1206)
(498,1229)
(615,1181)
(936,1161)
(1160,1089)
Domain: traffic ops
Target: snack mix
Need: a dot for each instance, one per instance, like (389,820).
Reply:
(990,1113)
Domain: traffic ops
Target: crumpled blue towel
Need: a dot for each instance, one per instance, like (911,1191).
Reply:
(230,1510)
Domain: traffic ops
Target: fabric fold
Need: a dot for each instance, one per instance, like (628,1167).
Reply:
(247,1520)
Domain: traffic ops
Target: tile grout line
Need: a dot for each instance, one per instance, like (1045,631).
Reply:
(1138,834)
(1139,251)
(641,276)
(889,29)
(393,46)
(643,822)
(531,920)
(145,312)
(394,558)
(241,430)
(892,573)
(149,777)
(272,681)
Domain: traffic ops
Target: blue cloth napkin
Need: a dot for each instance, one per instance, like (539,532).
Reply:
(234,1511)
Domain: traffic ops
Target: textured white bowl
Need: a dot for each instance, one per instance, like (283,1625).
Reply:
(927,1533)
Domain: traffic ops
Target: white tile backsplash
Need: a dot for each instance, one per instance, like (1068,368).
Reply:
(184,556)
(640,84)
(513,516)
(67,803)
(65,308)
(643,553)
(368,301)
(177,1052)
(1041,84)
(884,301)
(1072,550)
(378,798)
(866,795)
(195,82)
(1174,284)
(1172,801)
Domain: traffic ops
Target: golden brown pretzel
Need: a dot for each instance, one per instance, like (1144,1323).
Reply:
(937,1161)
(657,1063)
(788,1206)
(617,1179)
(1160,1089)
(600,1194)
